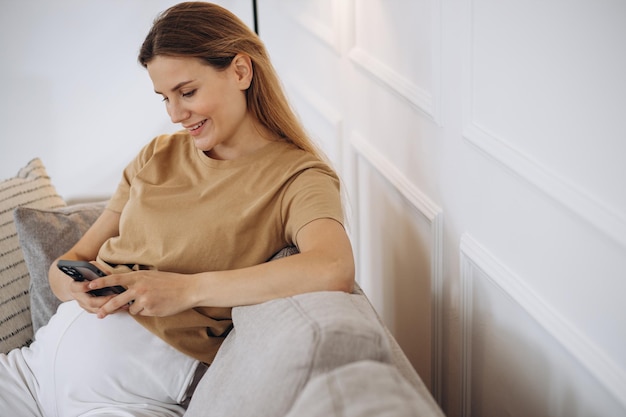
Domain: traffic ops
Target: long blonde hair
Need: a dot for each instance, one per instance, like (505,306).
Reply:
(215,35)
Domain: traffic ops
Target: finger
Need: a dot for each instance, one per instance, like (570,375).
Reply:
(108,281)
(90,303)
(115,303)
(79,287)
(87,301)
(135,310)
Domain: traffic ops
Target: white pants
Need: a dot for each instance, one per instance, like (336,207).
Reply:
(80,365)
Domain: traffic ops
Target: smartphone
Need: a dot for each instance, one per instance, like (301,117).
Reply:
(82,270)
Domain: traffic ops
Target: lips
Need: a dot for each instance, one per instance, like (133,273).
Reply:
(196,126)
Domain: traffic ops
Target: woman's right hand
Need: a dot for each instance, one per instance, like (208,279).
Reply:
(64,287)
(79,292)
(69,289)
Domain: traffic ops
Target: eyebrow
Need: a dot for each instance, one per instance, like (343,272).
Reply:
(177,86)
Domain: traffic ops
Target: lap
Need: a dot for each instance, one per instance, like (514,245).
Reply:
(86,365)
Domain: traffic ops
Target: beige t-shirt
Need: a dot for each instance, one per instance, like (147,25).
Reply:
(182,211)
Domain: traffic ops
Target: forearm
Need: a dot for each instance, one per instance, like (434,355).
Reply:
(296,274)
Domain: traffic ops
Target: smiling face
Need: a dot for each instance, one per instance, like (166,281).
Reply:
(210,104)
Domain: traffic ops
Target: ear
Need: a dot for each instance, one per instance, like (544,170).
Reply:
(242,65)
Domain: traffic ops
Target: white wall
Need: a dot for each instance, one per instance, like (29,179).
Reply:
(481,143)
(73,93)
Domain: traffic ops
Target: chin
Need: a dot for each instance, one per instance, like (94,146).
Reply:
(201,144)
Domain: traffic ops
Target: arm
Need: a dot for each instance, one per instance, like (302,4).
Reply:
(86,249)
(325,262)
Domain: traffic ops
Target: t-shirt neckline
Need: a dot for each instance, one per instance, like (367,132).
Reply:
(233,163)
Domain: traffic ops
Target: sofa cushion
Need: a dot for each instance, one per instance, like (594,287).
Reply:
(277,346)
(31,187)
(361,389)
(45,235)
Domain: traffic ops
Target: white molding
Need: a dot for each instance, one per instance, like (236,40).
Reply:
(427,102)
(475,257)
(433,214)
(416,197)
(328,34)
(601,216)
(466,309)
(417,96)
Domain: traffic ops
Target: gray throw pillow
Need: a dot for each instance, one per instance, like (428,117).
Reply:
(277,346)
(44,235)
(361,389)
(31,187)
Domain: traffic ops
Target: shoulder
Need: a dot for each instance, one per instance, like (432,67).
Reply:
(306,174)
(166,145)
(177,141)
(298,161)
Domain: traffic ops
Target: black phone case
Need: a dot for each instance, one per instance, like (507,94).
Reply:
(81,271)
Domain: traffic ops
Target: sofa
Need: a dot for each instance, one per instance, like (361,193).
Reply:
(316,354)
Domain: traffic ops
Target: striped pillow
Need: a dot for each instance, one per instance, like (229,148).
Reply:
(31,187)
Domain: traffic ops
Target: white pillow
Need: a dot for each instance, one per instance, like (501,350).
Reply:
(31,187)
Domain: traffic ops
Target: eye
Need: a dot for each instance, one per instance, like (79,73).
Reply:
(165,99)
(189,94)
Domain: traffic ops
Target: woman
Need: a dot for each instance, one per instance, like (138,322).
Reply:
(189,230)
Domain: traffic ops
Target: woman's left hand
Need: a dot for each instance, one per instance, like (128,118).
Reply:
(148,293)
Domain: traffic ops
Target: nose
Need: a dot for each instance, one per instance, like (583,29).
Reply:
(177,112)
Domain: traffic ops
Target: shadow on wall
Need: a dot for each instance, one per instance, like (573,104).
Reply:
(400,272)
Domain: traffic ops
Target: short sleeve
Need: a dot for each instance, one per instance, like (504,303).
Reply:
(122,193)
(313,194)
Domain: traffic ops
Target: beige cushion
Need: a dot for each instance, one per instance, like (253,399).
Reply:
(361,389)
(31,187)
(277,346)
(44,235)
